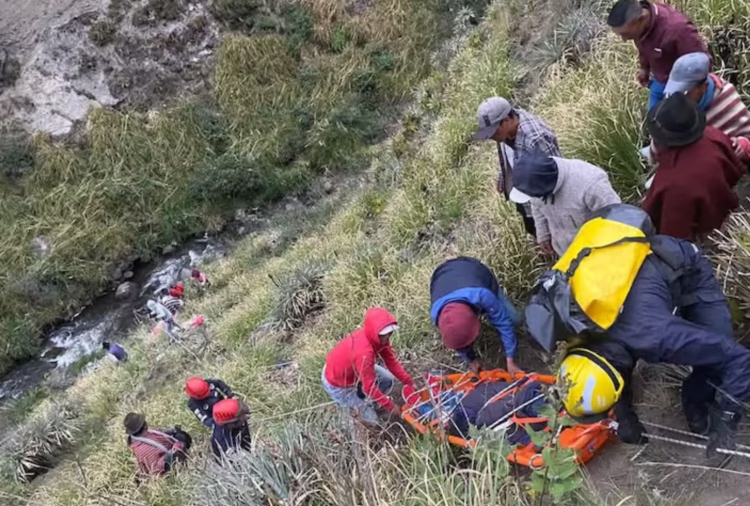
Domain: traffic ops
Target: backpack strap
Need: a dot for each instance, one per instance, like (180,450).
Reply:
(587,251)
(151,442)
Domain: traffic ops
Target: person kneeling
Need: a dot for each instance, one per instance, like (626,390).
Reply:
(156,451)
(230,430)
(350,375)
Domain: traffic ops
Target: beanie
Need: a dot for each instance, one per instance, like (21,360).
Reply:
(459,325)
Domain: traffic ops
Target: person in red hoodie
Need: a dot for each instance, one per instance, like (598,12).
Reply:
(692,192)
(353,379)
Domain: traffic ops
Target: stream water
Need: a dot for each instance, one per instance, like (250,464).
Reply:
(106,319)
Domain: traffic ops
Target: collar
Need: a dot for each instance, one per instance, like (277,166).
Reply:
(654,8)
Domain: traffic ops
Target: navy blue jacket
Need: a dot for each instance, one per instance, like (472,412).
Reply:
(678,276)
(468,280)
(223,438)
(204,409)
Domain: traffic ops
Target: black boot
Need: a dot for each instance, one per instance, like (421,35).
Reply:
(723,434)
(697,417)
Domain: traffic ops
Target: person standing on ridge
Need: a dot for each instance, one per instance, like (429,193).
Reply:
(353,379)
(692,191)
(461,290)
(516,132)
(203,395)
(661,35)
(716,97)
(562,194)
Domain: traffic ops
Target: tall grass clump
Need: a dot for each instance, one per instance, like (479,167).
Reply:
(39,443)
(596,112)
(726,26)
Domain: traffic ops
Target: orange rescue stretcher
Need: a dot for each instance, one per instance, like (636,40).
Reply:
(584,439)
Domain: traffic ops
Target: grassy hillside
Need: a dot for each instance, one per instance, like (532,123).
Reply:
(289,292)
(301,88)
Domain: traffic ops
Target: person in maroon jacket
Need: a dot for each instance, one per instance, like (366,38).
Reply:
(692,191)
(352,378)
(661,34)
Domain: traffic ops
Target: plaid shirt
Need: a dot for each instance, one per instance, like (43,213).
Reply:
(533,134)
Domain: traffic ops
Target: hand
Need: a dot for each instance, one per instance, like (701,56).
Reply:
(642,78)
(741,147)
(512,367)
(395,411)
(475,366)
(546,247)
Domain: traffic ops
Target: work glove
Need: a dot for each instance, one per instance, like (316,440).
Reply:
(723,432)
(630,430)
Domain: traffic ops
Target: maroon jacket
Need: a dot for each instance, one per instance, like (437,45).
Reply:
(692,194)
(670,35)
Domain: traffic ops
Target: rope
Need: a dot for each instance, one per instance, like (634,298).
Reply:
(290,413)
(685,433)
(696,445)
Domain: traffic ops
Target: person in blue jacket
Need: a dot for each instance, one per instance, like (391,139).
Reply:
(676,313)
(461,290)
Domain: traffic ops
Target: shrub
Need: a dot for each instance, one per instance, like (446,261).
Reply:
(38,444)
(16,156)
(299,295)
(158,11)
(103,32)
(236,14)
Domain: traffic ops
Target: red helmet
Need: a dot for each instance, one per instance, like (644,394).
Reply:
(226,410)
(197,388)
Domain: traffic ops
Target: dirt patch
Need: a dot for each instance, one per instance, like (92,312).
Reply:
(78,54)
(667,470)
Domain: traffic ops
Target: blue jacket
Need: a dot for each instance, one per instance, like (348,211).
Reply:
(698,334)
(468,280)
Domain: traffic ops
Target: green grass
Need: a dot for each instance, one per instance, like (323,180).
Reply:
(301,97)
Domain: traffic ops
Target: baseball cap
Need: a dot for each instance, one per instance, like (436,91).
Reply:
(489,115)
(688,71)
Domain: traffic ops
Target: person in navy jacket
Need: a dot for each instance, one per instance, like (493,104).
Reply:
(461,290)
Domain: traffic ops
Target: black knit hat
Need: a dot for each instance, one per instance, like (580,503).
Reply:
(676,121)
(134,423)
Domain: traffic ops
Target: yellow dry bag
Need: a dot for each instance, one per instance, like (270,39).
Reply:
(587,287)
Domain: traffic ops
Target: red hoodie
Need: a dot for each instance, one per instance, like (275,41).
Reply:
(353,358)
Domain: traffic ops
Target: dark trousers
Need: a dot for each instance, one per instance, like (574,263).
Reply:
(528,221)
(714,315)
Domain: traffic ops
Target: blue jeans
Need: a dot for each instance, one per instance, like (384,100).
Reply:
(515,316)
(655,92)
(348,397)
